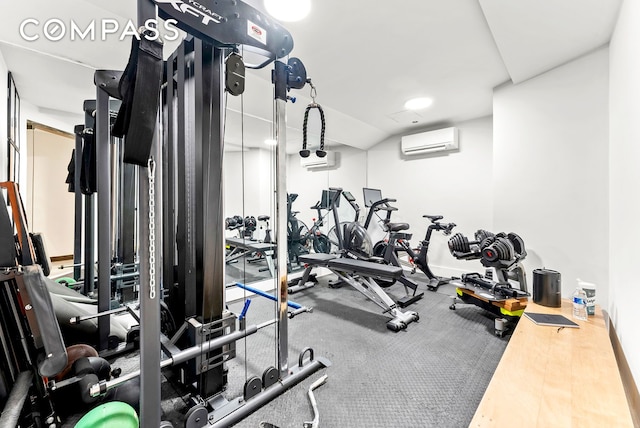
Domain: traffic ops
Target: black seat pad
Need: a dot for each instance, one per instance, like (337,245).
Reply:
(249,245)
(433,217)
(364,268)
(316,258)
(396,227)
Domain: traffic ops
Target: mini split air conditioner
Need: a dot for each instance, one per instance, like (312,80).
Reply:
(430,142)
(313,161)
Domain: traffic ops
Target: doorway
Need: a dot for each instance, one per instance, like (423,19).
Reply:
(48,203)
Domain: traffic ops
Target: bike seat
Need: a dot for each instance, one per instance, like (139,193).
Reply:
(263,217)
(396,227)
(433,217)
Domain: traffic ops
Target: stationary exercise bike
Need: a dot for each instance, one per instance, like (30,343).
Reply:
(397,241)
(319,241)
(354,242)
(417,257)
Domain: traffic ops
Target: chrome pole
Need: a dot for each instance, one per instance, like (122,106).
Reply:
(281,214)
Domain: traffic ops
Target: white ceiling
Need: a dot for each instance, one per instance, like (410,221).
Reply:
(365,58)
(534,36)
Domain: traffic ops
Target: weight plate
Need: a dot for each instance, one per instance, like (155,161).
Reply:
(482,234)
(197,417)
(517,242)
(465,245)
(252,387)
(269,377)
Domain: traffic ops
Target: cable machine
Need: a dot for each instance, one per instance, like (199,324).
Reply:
(179,150)
(170,120)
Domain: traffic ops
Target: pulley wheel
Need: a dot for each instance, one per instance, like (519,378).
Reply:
(235,74)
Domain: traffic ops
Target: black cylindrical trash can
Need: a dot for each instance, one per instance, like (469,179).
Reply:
(546,288)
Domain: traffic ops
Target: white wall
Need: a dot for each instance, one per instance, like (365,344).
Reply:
(349,173)
(624,161)
(550,159)
(60,120)
(255,195)
(248,184)
(454,184)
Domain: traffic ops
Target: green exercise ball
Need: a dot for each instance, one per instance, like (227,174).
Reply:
(110,415)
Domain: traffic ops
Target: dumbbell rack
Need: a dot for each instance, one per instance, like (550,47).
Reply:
(501,255)
(507,310)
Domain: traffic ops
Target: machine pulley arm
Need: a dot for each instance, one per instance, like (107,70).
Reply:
(231,23)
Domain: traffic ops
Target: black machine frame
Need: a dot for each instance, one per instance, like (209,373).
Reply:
(190,160)
(180,207)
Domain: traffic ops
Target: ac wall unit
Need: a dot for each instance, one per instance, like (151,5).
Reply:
(430,142)
(313,161)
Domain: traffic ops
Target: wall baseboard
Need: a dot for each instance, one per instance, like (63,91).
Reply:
(61,258)
(630,387)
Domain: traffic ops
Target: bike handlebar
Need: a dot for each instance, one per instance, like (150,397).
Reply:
(376,205)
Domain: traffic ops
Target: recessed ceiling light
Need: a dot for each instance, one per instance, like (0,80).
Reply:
(288,10)
(271,142)
(418,103)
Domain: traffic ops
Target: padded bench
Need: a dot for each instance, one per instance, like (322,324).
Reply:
(248,246)
(352,266)
(359,274)
(361,267)
(316,259)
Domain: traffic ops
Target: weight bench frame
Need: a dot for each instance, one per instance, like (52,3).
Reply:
(243,247)
(360,275)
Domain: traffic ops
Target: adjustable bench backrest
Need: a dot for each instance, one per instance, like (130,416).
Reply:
(316,259)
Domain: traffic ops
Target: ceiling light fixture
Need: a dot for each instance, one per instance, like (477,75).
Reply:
(418,103)
(288,10)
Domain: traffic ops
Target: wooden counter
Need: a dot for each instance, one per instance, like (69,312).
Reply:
(550,377)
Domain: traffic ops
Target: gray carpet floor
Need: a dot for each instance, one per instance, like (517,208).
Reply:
(431,375)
